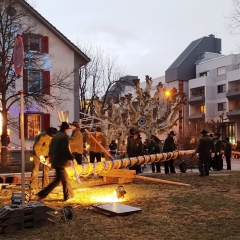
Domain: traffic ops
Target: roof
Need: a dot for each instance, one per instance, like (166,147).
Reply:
(206,56)
(184,68)
(46,23)
(185,53)
(119,86)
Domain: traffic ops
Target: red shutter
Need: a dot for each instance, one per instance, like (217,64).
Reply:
(45,121)
(45,44)
(25,42)
(46,82)
(25,80)
(25,126)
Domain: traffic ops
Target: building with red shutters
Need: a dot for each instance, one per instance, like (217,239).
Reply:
(59,58)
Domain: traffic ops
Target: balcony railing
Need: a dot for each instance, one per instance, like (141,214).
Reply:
(233,95)
(196,99)
(233,113)
(196,116)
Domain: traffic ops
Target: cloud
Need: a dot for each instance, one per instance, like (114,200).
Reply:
(114,34)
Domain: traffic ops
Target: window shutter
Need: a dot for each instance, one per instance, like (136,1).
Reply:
(46,82)
(45,44)
(45,121)
(25,126)
(25,80)
(25,42)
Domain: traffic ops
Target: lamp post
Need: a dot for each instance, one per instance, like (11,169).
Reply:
(18,68)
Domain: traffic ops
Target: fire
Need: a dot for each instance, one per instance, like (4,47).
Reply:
(106,198)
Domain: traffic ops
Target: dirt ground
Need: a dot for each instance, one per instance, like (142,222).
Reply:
(208,209)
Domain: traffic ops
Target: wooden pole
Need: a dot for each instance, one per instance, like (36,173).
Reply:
(99,144)
(161,181)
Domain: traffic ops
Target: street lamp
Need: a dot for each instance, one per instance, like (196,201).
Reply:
(167,93)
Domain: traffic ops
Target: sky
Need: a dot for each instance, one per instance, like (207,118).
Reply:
(145,35)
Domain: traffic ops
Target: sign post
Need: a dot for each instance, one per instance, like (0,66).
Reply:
(18,58)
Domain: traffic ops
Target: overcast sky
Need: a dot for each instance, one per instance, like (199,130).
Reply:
(145,35)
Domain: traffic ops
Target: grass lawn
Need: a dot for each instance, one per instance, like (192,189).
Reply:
(208,209)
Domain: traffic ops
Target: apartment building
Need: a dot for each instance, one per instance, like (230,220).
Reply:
(214,95)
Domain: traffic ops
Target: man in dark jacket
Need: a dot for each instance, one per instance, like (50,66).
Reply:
(227,152)
(204,150)
(154,148)
(41,152)
(135,149)
(131,133)
(218,162)
(76,142)
(169,146)
(59,156)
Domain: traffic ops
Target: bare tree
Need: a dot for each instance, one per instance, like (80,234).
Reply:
(14,19)
(233,18)
(98,79)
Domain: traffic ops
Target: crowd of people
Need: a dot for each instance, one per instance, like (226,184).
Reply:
(58,148)
(212,151)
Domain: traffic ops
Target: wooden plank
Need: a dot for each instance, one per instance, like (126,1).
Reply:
(110,180)
(161,181)
(124,173)
(124,180)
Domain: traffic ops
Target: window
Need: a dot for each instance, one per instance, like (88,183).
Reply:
(221,71)
(34,43)
(196,92)
(221,88)
(221,106)
(203,74)
(33,125)
(202,109)
(34,81)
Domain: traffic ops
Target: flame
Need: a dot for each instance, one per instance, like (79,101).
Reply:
(106,198)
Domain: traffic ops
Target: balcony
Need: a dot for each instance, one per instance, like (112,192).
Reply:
(196,116)
(233,75)
(233,95)
(196,99)
(233,114)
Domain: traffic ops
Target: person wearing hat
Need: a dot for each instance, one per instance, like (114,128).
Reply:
(94,150)
(60,155)
(227,152)
(154,148)
(76,142)
(131,133)
(169,146)
(41,152)
(135,149)
(113,148)
(218,162)
(204,150)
